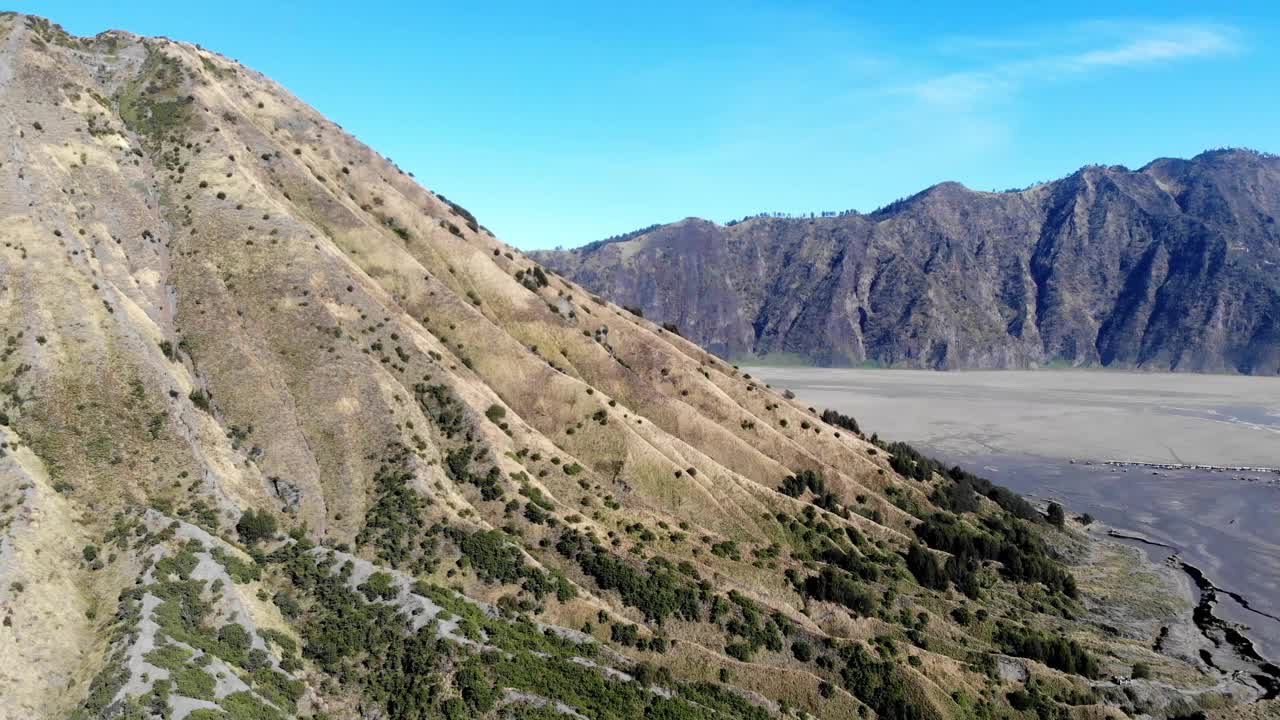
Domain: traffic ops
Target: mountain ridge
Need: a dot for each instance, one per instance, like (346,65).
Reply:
(1166,268)
(285,434)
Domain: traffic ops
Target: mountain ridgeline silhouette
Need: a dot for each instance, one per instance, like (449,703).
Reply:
(1170,267)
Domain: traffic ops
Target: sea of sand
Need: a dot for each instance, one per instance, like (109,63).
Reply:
(1049,433)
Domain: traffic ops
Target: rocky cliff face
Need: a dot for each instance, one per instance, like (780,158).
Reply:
(1171,267)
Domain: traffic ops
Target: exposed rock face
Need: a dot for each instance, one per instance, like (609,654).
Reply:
(1171,267)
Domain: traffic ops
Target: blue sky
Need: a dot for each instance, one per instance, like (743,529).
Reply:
(559,124)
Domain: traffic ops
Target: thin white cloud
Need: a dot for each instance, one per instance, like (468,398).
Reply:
(957,88)
(1145,45)
(1175,43)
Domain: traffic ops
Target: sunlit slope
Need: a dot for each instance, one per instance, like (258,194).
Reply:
(288,434)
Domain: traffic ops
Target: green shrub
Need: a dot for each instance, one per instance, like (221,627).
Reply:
(256,526)
(475,689)
(288,604)
(1019,700)
(240,571)
(839,587)
(168,656)
(802,650)
(1057,517)
(1055,651)
(200,399)
(925,567)
(831,417)
(659,590)
(739,651)
(380,585)
(879,684)
(194,683)
(235,640)
(393,524)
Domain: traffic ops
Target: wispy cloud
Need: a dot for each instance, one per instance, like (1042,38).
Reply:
(959,88)
(1166,44)
(1085,48)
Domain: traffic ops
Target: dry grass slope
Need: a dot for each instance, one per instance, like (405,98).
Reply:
(213,300)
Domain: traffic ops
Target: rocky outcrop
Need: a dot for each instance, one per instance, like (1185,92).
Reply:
(1170,267)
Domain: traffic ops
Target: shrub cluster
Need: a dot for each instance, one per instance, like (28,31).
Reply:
(845,422)
(1010,541)
(393,524)
(659,589)
(1055,651)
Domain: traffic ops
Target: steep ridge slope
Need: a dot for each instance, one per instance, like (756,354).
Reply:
(286,434)
(1171,267)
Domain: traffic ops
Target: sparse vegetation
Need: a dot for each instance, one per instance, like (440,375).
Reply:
(325,527)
